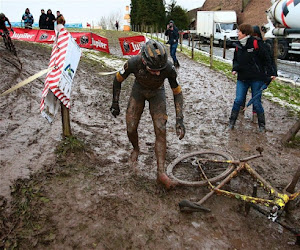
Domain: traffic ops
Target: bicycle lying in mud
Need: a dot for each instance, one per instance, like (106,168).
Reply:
(8,42)
(204,168)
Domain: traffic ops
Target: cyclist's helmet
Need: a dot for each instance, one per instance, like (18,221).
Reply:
(154,55)
(2,15)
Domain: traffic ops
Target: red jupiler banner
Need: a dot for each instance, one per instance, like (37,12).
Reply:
(24,34)
(45,36)
(83,39)
(132,45)
(100,43)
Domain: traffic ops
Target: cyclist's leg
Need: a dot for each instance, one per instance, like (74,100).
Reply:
(133,114)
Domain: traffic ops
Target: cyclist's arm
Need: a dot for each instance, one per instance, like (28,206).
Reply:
(120,77)
(9,23)
(177,93)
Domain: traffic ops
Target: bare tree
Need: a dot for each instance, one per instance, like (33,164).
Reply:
(108,22)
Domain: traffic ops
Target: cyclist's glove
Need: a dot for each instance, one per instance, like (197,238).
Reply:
(115,109)
(12,30)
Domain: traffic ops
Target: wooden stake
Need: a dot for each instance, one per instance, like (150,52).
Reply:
(192,46)
(65,117)
(211,51)
(224,47)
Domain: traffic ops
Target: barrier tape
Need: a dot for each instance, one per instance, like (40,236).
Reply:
(108,73)
(26,81)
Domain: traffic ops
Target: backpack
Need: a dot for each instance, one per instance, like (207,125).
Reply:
(269,48)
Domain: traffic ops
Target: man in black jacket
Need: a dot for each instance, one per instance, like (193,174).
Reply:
(42,21)
(50,20)
(150,69)
(173,35)
(252,64)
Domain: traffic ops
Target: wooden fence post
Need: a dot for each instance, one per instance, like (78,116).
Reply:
(65,117)
(192,46)
(181,40)
(211,51)
(224,47)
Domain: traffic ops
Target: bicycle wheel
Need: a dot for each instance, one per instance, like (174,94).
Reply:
(186,171)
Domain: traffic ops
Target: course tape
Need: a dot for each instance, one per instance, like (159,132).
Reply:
(26,81)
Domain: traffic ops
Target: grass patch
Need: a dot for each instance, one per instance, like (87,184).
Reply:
(70,145)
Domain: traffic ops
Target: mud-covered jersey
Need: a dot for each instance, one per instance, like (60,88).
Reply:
(2,24)
(135,66)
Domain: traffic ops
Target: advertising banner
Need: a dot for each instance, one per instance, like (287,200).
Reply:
(45,36)
(100,43)
(83,39)
(86,40)
(131,45)
(24,34)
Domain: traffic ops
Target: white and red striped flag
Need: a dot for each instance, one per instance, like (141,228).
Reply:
(64,60)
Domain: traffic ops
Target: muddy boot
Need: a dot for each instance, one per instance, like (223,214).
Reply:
(261,122)
(176,64)
(232,119)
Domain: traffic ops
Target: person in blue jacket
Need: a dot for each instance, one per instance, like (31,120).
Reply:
(28,19)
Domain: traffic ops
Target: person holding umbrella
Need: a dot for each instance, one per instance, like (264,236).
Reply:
(253,69)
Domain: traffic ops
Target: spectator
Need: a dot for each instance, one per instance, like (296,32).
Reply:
(117,25)
(173,35)
(60,23)
(50,20)
(253,69)
(28,19)
(42,21)
(60,15)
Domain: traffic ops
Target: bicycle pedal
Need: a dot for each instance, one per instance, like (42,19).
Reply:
(188,206)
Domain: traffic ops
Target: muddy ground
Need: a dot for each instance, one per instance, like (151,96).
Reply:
(82,194)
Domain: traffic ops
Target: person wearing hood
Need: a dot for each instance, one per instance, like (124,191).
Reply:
(28,19)
(253,70)
(42,21)
(50,20)
(173,36)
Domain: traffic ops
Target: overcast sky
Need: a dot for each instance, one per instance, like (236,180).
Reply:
(76,11)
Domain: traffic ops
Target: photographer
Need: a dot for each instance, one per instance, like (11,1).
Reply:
(28,19)
(173,36)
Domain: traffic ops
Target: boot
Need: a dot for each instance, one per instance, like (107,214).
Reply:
(232,119)
(261,122)
(176,64)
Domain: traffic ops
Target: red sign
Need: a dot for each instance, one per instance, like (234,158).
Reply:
(45,36)
(100,43)
(24,34)
(132,45)
(83,39)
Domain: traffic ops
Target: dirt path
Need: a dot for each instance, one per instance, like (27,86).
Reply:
(93,200)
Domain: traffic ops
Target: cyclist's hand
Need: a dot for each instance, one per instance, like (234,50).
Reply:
(12,30)
(180,129)
(115,109)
